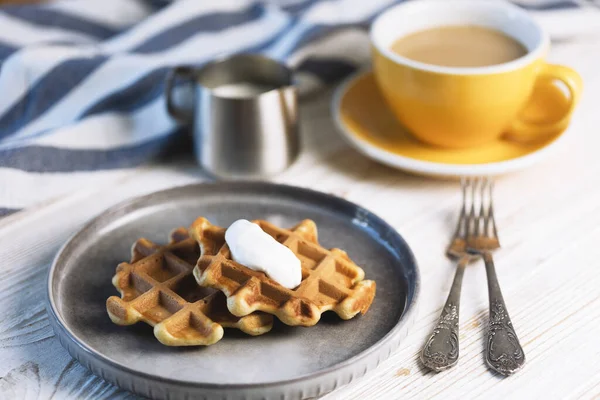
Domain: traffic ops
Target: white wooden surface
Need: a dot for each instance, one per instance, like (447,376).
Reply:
(549,269)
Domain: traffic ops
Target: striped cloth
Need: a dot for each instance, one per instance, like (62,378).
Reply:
(81,82)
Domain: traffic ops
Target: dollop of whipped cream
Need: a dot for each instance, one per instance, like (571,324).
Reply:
(254,248)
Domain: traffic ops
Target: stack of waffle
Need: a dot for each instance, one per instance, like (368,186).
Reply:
(190,289)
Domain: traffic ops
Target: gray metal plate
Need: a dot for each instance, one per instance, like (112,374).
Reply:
(292,362)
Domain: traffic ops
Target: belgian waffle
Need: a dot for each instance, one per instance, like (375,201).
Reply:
(157,287)
(330,280)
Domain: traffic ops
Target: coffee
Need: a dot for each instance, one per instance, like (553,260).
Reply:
(459,46)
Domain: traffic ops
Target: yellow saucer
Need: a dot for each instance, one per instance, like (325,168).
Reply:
(366,122)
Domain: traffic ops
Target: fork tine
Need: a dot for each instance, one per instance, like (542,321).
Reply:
(484,209)
(473,219)
(491,217)
(462,221)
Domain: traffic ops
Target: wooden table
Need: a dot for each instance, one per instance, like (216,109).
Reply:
(549,220)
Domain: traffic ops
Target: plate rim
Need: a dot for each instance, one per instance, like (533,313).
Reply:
(430,167)
(388,339)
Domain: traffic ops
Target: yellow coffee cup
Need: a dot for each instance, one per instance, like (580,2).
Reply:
(459,107)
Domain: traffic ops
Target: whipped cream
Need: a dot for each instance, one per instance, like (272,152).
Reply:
(257,250)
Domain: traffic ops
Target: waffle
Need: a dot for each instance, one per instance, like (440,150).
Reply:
(330,280)
(157,287)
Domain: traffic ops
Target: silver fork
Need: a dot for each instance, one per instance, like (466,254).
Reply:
(503,352)
(475,235)
(441,349)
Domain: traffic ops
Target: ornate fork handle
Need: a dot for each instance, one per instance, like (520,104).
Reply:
(441,349)
(503,352)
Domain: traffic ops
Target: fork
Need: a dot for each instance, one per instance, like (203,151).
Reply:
(503,352)
(441,349)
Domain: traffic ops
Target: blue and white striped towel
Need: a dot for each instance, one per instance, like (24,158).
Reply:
(81,82)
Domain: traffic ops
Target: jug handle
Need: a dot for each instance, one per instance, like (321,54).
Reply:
(188,75)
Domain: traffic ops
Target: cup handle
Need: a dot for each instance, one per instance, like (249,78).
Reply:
(184,73)
(523,130)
